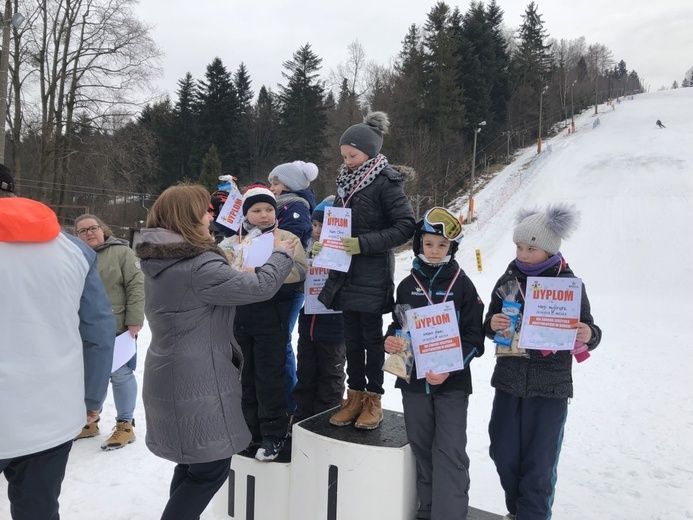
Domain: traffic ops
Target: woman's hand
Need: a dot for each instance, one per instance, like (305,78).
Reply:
(134,329)
(499,322)
(286,244)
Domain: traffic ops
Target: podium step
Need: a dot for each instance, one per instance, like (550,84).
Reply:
(478,514)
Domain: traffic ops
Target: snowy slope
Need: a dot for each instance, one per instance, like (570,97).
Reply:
(626,453)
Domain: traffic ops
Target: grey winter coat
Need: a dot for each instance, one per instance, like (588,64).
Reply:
(382,219)
(192,384)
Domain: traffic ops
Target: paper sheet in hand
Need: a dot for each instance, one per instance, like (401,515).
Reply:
(336,224)
(435,338)
(259,250)
(230,214)
(123,350)
(315,281)
(551,311)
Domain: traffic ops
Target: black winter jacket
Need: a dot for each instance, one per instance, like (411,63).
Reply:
(470,312)
(382,219)
(538,375)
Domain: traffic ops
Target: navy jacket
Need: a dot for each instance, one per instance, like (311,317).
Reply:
(294,209)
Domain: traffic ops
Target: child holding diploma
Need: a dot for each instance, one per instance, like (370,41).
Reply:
(435,408)
(382,218)
(262,331)
(533,386)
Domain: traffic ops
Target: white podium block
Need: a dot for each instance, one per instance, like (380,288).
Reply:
(343,473)
(255,490)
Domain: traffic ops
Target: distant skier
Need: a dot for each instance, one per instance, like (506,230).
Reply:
(659,124)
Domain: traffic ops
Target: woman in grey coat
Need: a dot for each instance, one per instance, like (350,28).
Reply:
(192,384)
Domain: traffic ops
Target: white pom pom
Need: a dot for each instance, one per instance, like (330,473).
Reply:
(310,170)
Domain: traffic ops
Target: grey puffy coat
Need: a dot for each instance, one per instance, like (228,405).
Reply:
(382,219)
(192,387)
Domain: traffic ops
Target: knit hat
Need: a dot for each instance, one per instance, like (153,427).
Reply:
(319,211)
(257,193)
(295,175)
(367,136)
(6,180)
(546,229)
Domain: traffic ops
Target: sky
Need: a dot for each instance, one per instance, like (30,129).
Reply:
(650,36)
(627,452)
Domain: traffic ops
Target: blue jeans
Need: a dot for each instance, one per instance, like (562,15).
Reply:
(124,393)
(297,299)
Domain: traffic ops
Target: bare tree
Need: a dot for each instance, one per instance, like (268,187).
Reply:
(79,64)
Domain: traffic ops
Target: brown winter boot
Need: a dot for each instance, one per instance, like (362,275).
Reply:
(89,430)
(372,414)
(351,408)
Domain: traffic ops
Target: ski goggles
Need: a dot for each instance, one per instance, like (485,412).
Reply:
(441,221)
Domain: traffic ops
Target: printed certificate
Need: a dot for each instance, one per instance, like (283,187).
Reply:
(336,224)
(315,281)
(435,337)
(230,214)
(551,311)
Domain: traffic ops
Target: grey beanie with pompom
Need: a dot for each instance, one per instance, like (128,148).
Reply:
(546,229)
(367,136)
(295,175)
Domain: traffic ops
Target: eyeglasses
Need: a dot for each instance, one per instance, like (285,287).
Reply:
(441,220)
(84,231)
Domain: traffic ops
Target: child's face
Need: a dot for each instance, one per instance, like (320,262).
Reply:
(317,229)
(530,255)
(277,187)
(261,214)
(435,247)
(353,157)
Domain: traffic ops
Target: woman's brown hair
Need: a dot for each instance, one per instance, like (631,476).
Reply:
(180,209)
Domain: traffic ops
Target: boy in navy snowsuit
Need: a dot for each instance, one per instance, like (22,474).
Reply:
(532,388)
(295,202)
(435,408)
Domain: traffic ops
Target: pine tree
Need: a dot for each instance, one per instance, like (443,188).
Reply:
(265,133)
(185,128)
(217,104)
(211,169)
(241,81)
(302,111)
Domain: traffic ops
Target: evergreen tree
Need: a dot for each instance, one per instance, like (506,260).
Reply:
(160,120)
(185,129)
(531,66)
(265,132)
(302,113)
(211,169)
(217,103)
(241,80)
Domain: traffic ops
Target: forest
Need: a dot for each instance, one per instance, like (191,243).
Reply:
(79,138)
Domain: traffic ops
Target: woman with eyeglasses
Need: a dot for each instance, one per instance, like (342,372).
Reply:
(123,280)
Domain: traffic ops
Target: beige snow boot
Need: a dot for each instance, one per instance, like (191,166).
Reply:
(351,409)
(372,413)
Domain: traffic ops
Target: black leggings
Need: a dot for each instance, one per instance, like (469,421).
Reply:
(192,488)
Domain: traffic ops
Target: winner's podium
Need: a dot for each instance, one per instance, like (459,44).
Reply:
(335,473)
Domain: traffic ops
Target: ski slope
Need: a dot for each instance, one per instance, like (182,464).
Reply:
(626,453)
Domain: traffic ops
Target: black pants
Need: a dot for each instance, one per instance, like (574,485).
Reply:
(363,334)
(526,436)
(320,370)
(34,482)
(192,488)
(262,331)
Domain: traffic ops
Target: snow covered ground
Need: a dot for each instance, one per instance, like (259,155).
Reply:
(627,452)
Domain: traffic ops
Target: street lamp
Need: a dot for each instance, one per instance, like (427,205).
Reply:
(572,110)
(8,21)
(471,185)
(541,100)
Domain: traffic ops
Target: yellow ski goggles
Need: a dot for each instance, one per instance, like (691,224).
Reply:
(440,221)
